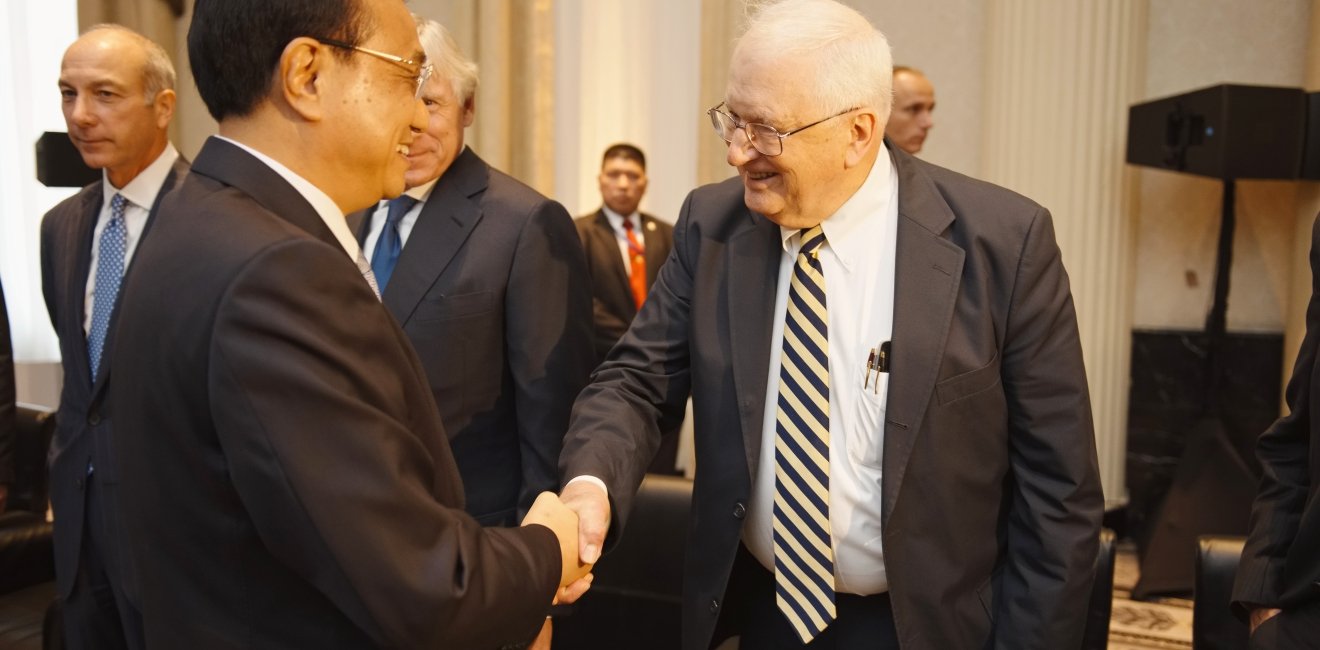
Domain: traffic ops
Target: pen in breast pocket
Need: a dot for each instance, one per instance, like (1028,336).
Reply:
(870,365)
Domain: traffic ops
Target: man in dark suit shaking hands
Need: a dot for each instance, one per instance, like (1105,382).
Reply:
(117,92)
(892,426)
(1278,579)
(287,480)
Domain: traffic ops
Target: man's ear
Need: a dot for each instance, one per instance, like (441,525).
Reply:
(163,107)
(299,82)
(862,135)
(469,111)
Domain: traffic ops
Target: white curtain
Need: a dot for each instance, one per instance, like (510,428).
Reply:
(36,33)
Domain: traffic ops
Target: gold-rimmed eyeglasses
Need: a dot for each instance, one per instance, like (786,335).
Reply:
(764,138)
(420,70)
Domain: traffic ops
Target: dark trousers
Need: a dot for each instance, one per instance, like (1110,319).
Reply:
(97,614)
(1296,628)
(861,622)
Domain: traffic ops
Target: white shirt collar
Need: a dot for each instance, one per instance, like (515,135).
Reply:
(843,227)
(325,207)
(616,220)
(142,190)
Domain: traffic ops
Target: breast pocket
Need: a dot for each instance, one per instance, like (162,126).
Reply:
(968,384)
(866,433)
(454,307)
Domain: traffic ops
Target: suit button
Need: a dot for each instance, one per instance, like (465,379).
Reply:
(714,606)
(93,418)
(739,510)
(81,483)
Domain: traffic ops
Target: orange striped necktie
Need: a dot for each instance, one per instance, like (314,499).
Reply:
(637,264)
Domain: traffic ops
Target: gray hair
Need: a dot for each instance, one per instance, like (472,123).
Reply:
(854,66)
(443,53)
(157,71)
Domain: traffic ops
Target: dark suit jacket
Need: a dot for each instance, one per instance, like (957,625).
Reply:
(991,493)
(1280,564)
(491,289)
(8,425)
(287,482)
(83,431)
(613,308)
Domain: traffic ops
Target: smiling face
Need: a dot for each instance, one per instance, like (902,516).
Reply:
(813,176)
(110,118)
(372,110)
(435,148)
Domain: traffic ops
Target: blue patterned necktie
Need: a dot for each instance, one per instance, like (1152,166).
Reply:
(390,244)
(804,557)
(109,273)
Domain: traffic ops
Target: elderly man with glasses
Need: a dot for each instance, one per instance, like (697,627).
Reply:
(893,431)
(287,476)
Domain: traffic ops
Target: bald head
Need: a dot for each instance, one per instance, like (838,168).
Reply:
(117,96)
(914,105)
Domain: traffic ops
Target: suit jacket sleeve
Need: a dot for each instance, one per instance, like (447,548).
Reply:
(8,424)
(550,355)
(306,401)
(641,390)
(1285,482)
(1055,503)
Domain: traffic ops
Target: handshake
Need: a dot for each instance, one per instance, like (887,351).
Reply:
(579,517)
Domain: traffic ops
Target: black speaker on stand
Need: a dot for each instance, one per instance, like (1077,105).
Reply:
(1228,132)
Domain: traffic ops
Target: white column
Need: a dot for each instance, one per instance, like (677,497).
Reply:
(1059,79)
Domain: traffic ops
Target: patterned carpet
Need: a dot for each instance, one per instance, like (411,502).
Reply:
(1133,625)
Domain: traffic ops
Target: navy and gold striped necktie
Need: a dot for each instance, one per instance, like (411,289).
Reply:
(804,557)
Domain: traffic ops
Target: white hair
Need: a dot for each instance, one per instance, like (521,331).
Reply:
(157,69)
(853,64)
(443,53)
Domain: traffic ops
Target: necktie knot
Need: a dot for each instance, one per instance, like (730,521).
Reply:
(117,205)
(812,240)
(399,206)
(627,223)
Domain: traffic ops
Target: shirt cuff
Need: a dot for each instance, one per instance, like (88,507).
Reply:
(592,480)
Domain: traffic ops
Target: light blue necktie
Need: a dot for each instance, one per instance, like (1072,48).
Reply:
(109,273)
(804,557)
(390,244)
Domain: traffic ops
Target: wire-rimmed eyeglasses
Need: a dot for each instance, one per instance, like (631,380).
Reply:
(764,138)
(421,71)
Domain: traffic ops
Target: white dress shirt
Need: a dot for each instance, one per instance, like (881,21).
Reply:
(858,263)
(621,234)
(421,193)
(139,195)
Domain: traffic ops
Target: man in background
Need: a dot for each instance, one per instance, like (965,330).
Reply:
(117,93)
(8,425)
(488,281)
(914,108)
(625,249)
(893,432)
(1280,568)
(287,479)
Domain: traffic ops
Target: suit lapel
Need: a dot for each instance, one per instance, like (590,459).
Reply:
(655,254)
(609,242)
(446,220)
(234,166)
(176,173)
(75,291)
(927,272)
(753,276)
